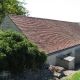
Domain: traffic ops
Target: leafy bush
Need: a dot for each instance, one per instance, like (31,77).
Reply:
(3,62)
(18,53)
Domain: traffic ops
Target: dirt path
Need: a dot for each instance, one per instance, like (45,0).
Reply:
(69,73)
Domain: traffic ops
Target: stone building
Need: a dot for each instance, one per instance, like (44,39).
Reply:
(59,39)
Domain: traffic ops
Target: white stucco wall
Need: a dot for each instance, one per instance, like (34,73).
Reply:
(52,58)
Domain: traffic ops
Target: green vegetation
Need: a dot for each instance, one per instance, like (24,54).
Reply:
(76,76)
(18,53)
(11,7)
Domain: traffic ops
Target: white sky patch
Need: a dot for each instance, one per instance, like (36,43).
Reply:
(66,10)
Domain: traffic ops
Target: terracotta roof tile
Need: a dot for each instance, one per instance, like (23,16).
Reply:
(50,35)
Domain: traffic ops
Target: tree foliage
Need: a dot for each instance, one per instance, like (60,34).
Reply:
(18,53)
(12,7)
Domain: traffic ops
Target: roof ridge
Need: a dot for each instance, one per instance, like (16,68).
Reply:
(40,18)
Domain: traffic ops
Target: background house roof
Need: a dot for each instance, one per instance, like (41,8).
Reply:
(50,35)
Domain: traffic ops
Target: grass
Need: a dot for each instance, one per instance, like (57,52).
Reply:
(76,76)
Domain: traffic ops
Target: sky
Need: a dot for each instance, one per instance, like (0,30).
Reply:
(64,10)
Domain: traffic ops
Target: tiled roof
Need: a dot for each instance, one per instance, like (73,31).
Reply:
(50,35)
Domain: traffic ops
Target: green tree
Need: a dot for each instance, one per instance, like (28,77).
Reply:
(11,7)
(18,53)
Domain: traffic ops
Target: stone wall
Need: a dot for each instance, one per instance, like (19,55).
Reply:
(62,62)
(66,62)
(43,74)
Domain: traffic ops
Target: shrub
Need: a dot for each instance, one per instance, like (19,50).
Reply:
(18,53)
(3,62)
